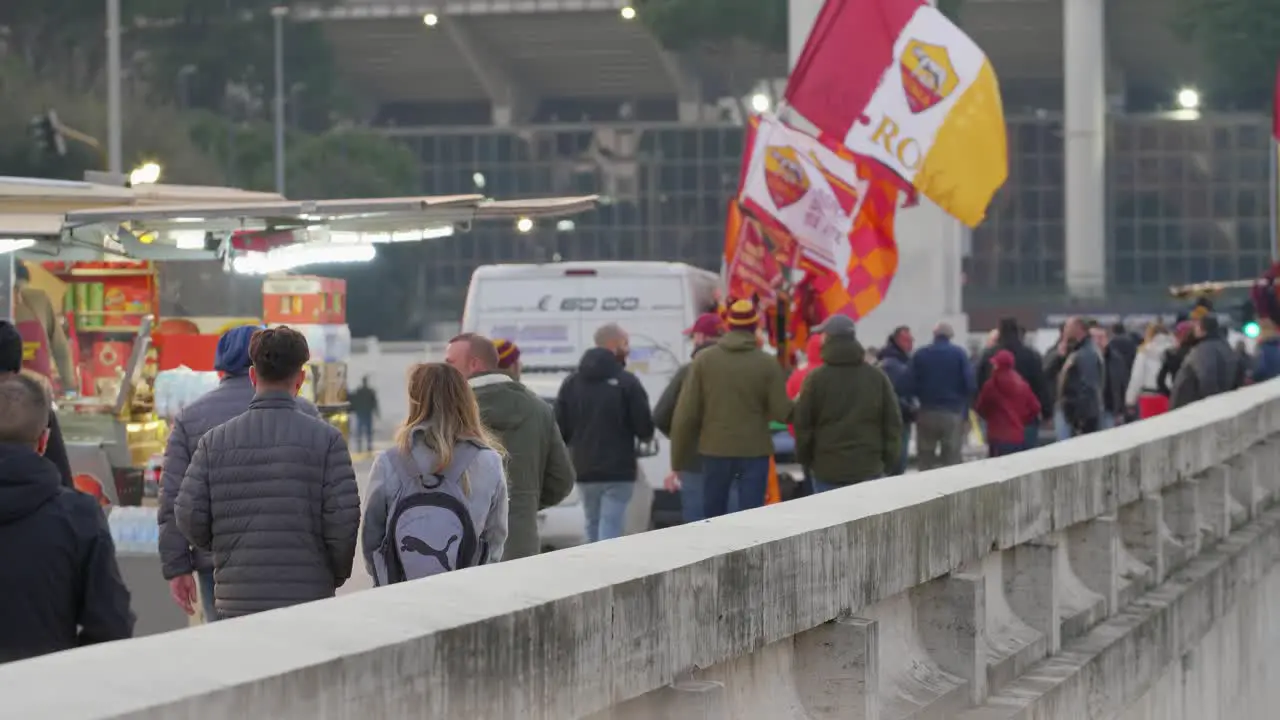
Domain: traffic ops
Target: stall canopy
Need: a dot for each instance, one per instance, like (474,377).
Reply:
(194,230)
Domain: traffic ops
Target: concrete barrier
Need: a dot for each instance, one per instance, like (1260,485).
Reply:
(1070,582)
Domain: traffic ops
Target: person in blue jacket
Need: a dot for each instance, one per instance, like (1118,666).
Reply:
(945,386)
(895,361)
(1266,363)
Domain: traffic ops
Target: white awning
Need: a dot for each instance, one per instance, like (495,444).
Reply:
(30,225)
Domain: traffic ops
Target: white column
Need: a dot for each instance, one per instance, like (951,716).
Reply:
(927,288)
(1084,60)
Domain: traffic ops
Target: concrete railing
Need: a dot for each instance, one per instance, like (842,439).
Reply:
(934,595)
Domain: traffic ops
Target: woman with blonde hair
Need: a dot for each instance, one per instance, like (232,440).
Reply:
(438,500)
(1143,393)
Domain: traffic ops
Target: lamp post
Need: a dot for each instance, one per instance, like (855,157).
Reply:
(115,153)
(278,14)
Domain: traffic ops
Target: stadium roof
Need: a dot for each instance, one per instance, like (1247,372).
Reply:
(512,51)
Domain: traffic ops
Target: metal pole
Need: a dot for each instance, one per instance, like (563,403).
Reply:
(1273,149)
(278,14)
(115,152)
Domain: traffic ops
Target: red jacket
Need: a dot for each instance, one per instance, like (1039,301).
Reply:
(1006,402)
(813,351)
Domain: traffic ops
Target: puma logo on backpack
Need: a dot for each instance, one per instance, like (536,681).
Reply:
(429,526)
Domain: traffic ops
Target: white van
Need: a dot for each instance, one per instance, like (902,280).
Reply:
(552,312)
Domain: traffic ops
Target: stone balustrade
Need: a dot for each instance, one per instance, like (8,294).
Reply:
(1060,583)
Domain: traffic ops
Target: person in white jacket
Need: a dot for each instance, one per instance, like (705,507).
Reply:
(1143,392)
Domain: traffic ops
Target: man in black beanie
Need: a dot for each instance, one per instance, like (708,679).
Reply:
(11,364)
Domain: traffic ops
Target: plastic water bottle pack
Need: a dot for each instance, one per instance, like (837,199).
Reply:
(134,530)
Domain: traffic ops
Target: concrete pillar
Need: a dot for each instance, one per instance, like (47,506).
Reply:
(837,670)
(1215,504)
(1093,548)
(1143,531)
(1030,585)
(1085,146)
(1244,485)
(1182,514)
(951,617)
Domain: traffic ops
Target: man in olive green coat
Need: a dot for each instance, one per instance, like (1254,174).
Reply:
(847,422)
(731,393)
(539,473)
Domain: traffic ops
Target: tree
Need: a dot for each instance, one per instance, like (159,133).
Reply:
(205,49)
(1240,42)
(151,133)
(688,25)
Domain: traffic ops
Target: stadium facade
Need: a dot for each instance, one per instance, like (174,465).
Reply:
(535,97)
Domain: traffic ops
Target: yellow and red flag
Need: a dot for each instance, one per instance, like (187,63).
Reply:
(896,81)
(751,269)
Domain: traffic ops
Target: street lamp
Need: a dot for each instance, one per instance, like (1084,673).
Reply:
(147,173)
(524,225)
(278,15)
(1188,99)
(430,19)
(115,151)
(760,103)
(628,13)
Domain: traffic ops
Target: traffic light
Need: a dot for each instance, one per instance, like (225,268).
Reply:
(1249,320)
(46,132)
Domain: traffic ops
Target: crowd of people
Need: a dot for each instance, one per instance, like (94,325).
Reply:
(259,506)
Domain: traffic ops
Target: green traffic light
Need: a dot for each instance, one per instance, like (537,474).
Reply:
(1252,330)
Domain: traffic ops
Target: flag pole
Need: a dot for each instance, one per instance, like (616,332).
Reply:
(1274,184)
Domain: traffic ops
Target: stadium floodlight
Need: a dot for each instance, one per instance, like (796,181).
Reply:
(145,174)
(760,103)
(1188,99)
(628,13)
(430,19)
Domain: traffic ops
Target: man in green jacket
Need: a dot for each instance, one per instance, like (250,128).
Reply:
(847,423)
(704,333)
(732,391)
(539,473)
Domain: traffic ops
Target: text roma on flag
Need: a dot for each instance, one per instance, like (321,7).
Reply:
(896,81)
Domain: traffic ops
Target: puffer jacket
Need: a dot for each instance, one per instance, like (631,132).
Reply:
(229,399)
(1144,379)
(272,493)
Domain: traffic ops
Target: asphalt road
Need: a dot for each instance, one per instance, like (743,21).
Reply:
(360,579)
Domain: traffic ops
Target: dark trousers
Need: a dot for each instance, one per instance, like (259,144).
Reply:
(721,475)
(363,430)
(999,449)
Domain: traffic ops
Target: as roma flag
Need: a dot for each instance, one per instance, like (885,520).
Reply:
(896,81)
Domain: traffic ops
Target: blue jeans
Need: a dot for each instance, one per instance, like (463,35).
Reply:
(692,497)
(904,456)
(1031,436)
(204,587)
(362,429)
(722,474)
(999,449)
(1107,421)
(605,505)
(1061,430)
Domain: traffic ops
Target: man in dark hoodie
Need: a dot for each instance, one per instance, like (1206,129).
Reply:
(62,586)
(11,364)
(230,399)
(1027,363)
(848,427)
(539,472)
(895,361)
(603,410)
(706,330)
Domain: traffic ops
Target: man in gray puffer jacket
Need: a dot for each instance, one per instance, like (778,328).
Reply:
(229,399)
(272,492)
